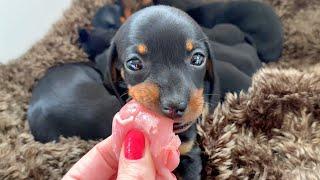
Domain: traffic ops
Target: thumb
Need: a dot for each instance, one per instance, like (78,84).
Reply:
(135,159)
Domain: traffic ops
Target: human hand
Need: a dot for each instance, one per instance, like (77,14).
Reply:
(100,162)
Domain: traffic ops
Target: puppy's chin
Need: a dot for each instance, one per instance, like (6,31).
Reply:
(181,125)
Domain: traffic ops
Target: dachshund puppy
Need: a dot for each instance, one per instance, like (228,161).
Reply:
(161,58)
(70,100)
(164,57)
(261,25)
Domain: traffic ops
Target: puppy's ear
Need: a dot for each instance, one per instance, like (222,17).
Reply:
(210,73)
(211,78)
(106,63)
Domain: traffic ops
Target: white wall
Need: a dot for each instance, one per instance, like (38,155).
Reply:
(24,22)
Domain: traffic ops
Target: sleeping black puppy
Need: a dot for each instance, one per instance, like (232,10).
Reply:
(163,59)
(70,100)
(262,27)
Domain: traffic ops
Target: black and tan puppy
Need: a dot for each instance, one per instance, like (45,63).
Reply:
(164,58)
(70,100)
(163,62)
(160,57)
(167,63)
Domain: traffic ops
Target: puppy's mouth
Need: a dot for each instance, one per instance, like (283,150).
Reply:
(180,127)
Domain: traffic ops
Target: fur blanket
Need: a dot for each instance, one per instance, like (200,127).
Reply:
(270,132)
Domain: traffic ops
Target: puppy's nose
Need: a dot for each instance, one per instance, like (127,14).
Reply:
(174,110)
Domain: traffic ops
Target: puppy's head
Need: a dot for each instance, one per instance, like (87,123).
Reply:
(163,57)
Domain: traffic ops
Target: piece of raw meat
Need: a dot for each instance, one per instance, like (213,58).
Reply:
(158,129)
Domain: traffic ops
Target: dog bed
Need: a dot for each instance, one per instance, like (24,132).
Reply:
(270,132)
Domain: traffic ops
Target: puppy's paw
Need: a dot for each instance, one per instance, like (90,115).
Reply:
(108,17)
(190,166)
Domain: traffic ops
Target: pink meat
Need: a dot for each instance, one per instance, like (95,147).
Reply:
(158,129)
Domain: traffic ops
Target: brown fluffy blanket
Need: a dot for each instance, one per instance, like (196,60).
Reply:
(271,132)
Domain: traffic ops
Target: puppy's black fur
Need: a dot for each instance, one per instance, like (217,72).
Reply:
(164,31)
(105,22)
(108,17)
(96,41)
(70,100)
(262,27)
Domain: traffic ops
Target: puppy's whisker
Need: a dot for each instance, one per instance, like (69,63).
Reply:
(208,103)
(212,94)
(124,94)
(203,39)
(147,74)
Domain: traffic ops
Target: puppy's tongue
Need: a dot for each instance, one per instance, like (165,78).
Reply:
(157,129)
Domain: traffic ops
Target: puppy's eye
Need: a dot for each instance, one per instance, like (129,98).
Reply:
(197,59)
(134,64)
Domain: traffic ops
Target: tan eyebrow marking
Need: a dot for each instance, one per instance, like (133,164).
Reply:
(189,45)
(142,49)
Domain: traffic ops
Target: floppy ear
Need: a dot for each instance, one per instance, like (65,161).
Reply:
(209,66)
(106,64)
(211,78)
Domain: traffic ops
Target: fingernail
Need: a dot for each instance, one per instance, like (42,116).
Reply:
(134,145)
